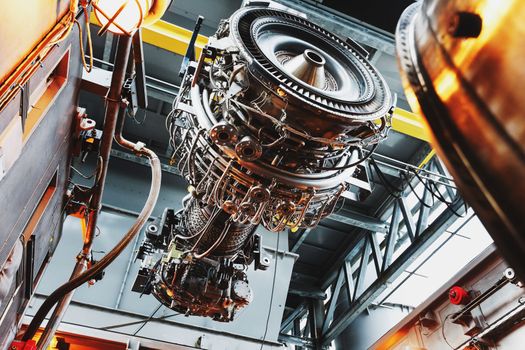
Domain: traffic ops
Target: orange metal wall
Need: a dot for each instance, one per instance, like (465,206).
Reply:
(23,24)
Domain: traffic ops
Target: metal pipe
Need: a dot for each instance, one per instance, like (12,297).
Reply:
(502,282)
(141,150)
(148,77)
(108,258)
(112,111)
(113,106)
(126,273)
(60,310)
(503,323)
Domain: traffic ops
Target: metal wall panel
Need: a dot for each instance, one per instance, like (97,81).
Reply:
(23,24)
(479,276)
(31,192)
(112,299)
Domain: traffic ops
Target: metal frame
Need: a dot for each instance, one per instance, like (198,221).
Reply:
(167,36)
(390,253)
(175,39)
(123,323)
(484,259)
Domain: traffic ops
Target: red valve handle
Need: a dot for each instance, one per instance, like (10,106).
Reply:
(458,296)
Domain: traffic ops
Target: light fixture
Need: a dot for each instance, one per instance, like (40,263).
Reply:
(125,16)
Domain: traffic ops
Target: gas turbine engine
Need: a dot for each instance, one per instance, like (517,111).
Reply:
(269,128)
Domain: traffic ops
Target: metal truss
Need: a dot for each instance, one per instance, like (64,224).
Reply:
(386,255)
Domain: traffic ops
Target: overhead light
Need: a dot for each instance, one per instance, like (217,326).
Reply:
(125,16)
(120,16)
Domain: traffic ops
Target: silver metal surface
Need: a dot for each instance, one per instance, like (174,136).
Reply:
(264,137)
(309,68)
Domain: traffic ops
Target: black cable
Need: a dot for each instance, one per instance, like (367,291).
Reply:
(150,278)
(392,189)
(443,330)
(357,162)
(415,193)
(148,319)
(120,325)
(440,197)
(273,290)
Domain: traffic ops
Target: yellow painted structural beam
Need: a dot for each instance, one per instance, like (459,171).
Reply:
(414,125)
(174,38)
(427,159)
(168,36)
(410,124)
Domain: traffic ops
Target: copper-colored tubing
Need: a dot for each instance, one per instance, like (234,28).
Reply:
(113,107)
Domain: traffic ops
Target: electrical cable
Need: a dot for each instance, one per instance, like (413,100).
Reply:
(82,174)
(133,116)
(108,258)
(443,330)
(87,67)
(272,292)
(70,22)
(120,325)
(440,197)
(357,162)
(405,176)
(148,319)
(392,190)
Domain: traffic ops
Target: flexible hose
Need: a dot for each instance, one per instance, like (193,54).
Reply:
(108,258)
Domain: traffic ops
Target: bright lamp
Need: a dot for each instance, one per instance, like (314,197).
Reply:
(121,16)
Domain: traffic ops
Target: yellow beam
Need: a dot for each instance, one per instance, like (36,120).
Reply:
(168,36)
(410,124)
(427,159)
(174,38)
(414,125)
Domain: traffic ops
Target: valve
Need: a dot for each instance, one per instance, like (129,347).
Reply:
(458,296)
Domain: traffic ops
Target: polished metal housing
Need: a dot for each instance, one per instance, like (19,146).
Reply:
(459,68)
(269,128)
